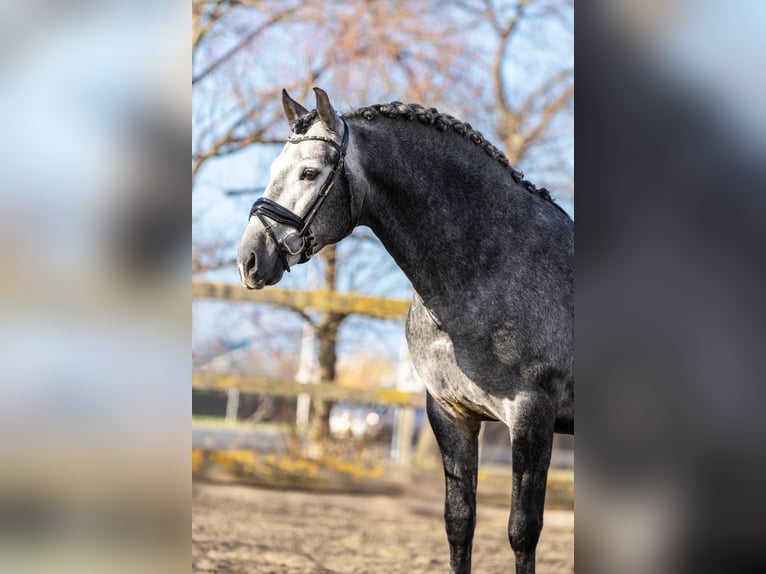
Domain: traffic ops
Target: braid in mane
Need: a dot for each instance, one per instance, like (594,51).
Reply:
(442,122)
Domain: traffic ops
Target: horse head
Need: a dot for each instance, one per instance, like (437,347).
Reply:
(307,202)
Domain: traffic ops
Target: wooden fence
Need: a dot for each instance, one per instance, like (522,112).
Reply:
(321,300)
(407,402)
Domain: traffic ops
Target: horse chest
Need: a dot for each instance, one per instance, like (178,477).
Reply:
(461,384)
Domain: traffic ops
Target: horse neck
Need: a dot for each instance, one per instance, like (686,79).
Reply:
(441,207)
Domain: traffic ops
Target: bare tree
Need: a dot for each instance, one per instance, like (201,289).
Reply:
(531,76)
(245,52)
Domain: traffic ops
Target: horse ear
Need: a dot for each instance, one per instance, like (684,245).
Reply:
(326,112)
(293,110)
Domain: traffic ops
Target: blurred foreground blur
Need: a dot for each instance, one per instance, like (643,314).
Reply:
(670,284)
(94,299)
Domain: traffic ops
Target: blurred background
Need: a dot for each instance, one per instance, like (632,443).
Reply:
(94,296)
(670,282)
(308,384)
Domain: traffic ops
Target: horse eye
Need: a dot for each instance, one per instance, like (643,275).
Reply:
(309,173)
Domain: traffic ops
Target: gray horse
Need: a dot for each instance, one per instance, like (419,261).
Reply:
(491,260)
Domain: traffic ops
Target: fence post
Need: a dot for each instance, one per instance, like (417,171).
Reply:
(404,427)
(232,404)
(307,373)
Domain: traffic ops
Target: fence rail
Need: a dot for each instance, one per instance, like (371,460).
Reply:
(322,299)
(208,380)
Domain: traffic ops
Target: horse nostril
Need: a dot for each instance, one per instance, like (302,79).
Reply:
(250,264)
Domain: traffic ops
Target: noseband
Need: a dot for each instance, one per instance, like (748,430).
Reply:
(265,208)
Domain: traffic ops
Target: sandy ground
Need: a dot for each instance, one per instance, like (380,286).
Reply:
(241,529)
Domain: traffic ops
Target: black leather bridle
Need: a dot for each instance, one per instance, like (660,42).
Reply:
(265,208)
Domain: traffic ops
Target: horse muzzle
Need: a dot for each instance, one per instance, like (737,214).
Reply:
(255,276)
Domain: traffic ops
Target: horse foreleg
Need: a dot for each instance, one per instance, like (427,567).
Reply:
(459,447)
(532,440)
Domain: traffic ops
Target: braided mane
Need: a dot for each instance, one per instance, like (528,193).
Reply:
(303,123)
(442,122)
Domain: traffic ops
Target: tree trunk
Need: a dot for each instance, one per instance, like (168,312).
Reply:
(327,335)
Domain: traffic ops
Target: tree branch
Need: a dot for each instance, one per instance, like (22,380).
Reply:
(506,33)
(546,115)
(547,86)
(243,43)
